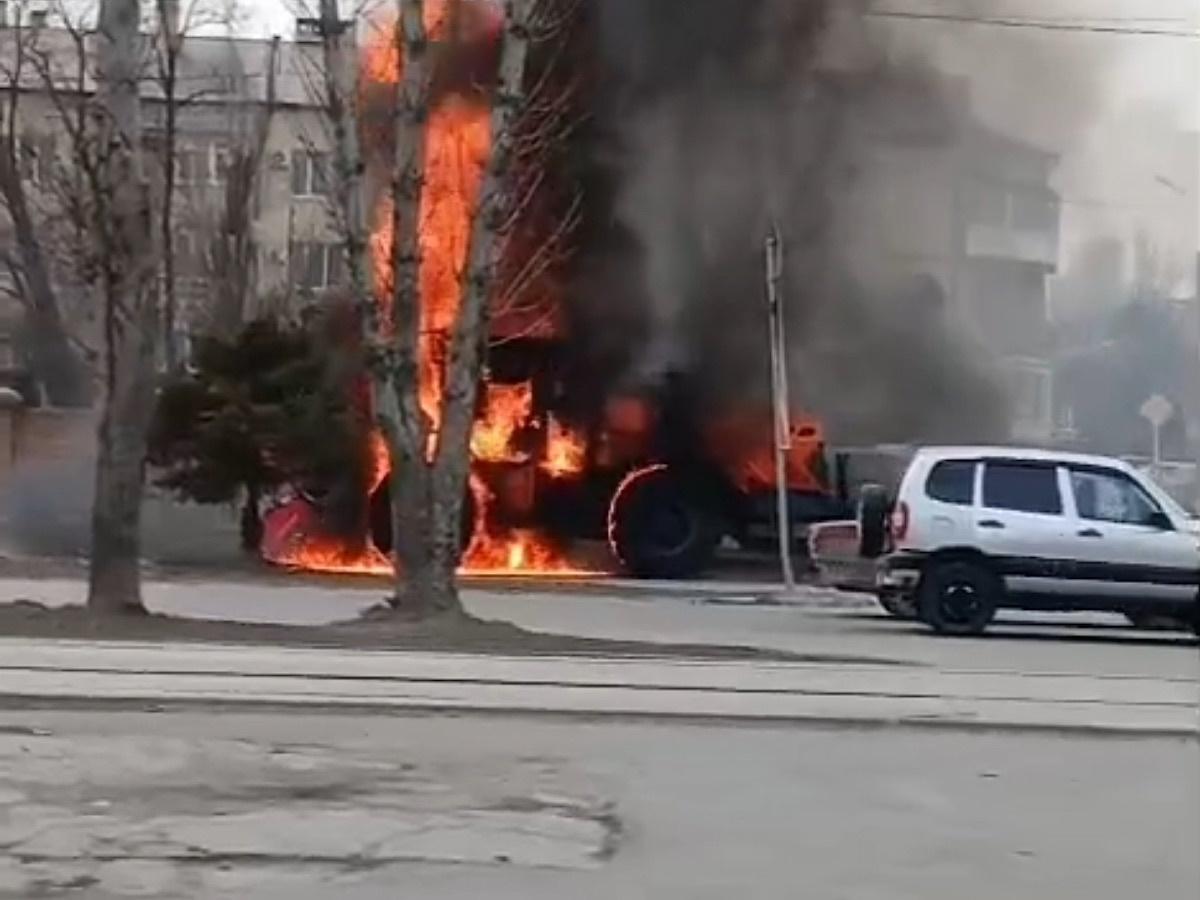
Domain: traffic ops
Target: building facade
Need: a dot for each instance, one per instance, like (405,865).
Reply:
(225,89)
(941,196)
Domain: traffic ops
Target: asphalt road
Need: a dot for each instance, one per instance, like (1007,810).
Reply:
(169,805)
(818,622)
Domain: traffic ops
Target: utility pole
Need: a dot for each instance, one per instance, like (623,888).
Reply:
(779,399)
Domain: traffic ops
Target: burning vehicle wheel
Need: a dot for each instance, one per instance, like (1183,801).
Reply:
(658,528)
(381,519)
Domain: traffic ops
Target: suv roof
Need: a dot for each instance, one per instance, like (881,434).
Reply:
(1029,453)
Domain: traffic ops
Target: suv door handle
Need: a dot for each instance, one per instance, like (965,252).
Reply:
(992,523)
(1090,533)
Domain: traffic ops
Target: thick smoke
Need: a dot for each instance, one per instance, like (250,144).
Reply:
(715,121)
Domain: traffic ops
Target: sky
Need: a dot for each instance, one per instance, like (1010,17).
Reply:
(1119,109)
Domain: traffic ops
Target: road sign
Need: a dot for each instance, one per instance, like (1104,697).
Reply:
(1158,410)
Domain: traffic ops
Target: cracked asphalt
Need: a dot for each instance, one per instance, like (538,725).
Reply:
(261,805)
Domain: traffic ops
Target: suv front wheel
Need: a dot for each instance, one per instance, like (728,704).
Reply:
(959,597)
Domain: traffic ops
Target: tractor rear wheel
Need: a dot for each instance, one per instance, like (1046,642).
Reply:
(660,527)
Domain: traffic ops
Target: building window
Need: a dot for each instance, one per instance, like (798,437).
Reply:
(37,159)
(201,165)
(191,257)
(1032,211)
(310,174)
(316,266)
(1030,386)
(1005,206)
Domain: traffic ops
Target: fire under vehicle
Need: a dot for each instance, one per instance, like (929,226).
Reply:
(663,487)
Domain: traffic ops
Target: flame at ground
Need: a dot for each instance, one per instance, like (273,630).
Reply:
(293,540)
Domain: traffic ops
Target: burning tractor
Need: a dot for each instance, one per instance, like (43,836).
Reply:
(643,469)
(658,483)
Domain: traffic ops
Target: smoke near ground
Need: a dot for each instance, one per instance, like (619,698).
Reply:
(722,120)
(46,508)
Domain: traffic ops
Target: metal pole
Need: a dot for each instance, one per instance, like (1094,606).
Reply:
(780,400)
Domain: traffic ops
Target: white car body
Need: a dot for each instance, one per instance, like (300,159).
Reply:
(1060,530)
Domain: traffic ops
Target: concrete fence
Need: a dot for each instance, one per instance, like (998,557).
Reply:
(41,436)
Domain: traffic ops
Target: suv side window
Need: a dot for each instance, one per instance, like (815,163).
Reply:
(1022,487)
(1105,495)
(952,481)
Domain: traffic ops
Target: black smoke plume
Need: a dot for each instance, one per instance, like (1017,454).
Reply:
(708,121)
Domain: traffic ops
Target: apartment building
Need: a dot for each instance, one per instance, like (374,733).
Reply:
(223,88)
(944,197)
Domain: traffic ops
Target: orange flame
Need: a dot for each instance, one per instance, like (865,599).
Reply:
(507,409)
(566,451)
(457,141)
(383,62)
(381,462)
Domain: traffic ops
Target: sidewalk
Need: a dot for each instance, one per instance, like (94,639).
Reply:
(303,602)
(63,672)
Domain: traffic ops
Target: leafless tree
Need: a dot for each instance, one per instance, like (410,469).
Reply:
(174,23)
(57,364)
(431,459)
(232,251)
(121,236)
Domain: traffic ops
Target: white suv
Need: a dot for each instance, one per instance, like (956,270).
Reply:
(978,529)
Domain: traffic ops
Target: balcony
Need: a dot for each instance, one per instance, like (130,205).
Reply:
(1014,223)
(1001,242)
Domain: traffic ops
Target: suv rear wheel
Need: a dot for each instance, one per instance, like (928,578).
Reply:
(959,597)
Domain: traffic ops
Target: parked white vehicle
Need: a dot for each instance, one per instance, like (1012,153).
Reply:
(976,529)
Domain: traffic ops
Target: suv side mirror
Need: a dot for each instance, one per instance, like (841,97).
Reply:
(1161,521)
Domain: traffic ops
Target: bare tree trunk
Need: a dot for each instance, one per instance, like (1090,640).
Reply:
(451,467)
(170,37)
(341,94)
(422,586)
(170,299)
(115,578)
(57,366)
(234,249)
(122,234)
(251,525)
(430,461)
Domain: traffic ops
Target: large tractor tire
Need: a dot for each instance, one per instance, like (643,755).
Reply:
(874,507)
(659,525)
(380,519)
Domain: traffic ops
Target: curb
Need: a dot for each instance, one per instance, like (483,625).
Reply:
(964,724)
